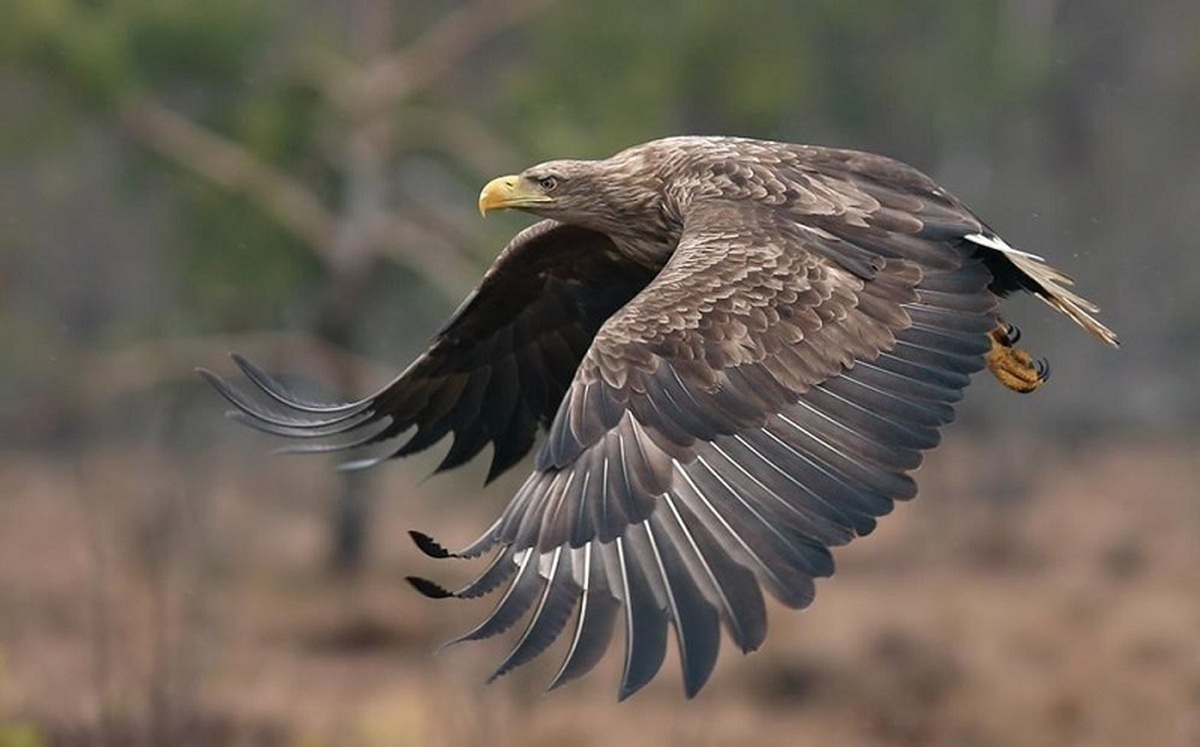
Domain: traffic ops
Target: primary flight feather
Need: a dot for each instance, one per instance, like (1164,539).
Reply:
(737,351)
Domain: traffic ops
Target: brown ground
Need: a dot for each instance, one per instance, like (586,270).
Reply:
(149,601)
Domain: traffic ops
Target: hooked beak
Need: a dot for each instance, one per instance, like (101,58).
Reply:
(510,192)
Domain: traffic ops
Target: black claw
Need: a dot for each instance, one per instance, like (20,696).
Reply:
(1012,333)
(429,545)
(1043,370)
(428,588)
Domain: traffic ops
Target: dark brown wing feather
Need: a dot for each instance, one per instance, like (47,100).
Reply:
(495,372)
(756,404)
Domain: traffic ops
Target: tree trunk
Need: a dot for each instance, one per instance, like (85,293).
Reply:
(370,27)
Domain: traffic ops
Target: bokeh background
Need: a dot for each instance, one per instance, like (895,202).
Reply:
(296,181)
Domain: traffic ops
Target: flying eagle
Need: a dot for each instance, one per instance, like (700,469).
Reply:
(737,350)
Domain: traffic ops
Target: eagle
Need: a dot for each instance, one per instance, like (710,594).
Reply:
(736,350)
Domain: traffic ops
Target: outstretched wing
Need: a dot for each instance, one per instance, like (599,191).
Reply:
(495,372)
(756,404)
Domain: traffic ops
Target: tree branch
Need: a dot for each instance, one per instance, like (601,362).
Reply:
(231,166)
(423,62)
(459,135)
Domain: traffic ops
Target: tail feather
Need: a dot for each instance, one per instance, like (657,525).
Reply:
(1053,286)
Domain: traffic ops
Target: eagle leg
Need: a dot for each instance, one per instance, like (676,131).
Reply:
(1011,365)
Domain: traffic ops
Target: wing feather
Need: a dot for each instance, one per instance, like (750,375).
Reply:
(516,601)
(695,620)
(645,618)
(695,464)
(594,623)
(495,372)
(551,616)
(728,584)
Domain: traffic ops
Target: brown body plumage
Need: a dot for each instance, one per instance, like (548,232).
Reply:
(738,350)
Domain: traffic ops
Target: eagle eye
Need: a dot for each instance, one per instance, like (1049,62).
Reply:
(547,183)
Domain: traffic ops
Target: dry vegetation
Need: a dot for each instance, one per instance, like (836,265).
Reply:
(149,600)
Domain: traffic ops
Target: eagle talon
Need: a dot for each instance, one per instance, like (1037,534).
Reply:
(1014,367)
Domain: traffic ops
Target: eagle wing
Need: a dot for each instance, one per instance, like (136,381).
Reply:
(716,424)
(494,373)
(760,401)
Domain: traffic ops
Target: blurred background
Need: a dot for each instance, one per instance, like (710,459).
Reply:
(296,181)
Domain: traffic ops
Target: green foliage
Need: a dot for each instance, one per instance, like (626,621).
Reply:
(277,121)
(104,50)
(82,47)
(236,270)
(20,735)
(624,71)
(215,41)
(233,264)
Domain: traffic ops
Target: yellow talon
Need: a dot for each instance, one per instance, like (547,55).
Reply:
(1013,366)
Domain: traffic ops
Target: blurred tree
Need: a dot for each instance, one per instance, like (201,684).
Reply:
(320,152)
(178,175)
(297,139)
(823,71)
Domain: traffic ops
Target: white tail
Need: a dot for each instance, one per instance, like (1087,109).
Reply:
(1055,283)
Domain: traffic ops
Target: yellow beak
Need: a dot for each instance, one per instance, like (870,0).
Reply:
(510,192)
